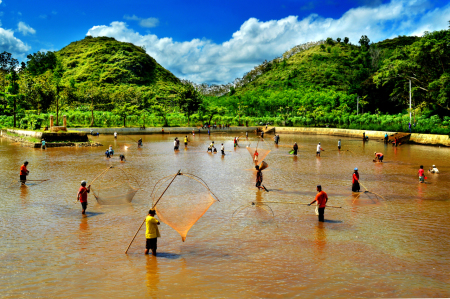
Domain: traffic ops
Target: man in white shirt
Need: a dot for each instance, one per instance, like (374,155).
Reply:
(433,169)
(318,150)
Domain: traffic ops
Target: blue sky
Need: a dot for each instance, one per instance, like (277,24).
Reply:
(212,41)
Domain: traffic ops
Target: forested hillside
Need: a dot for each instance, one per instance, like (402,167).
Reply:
(103,82)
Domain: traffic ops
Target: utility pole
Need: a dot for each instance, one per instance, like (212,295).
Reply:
(410,101)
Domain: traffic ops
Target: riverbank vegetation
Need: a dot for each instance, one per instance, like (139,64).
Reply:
(105,83)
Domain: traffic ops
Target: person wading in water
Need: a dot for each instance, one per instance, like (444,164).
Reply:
(259,178)
(355,181)
(295,148)
(322,199)
(24,172)
(151,232)
(82,196)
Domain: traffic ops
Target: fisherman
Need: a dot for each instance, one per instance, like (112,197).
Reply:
(178,143)
(139,142)
(122,158)
(151,232)
(107,154)
(395,142)
(185,141)
(364,136)
(246,134)
(433,170)
(339,144)
(321,199)
(211,146)
(421,173)
(222,149)
(209,133)
(193,133)
(355,181)
(295,148)
(262,134)
(24,172)
(319,148)
(255,156)
(386,138)
(378,157)
(43,144)
(259,178)
(115,135)
(175,147)
(82,196)
(235,142)
(111,151)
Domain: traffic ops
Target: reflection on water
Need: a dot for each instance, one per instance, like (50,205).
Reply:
(396,245)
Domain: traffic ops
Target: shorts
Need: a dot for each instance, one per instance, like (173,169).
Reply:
(381,158)
(339,147)
(421,179)
(258,184)
(151,243)
(84,205)
(185,143)
(317,153)
(23,177)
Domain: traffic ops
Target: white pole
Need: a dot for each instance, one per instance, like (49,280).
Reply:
(410,101)
(357,105)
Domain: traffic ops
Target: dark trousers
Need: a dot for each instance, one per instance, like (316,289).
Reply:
(322,214)
(355,187)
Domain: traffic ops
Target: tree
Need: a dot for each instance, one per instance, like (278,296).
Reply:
(7,62)
(38,63)
(424,63)
(125,110)
(364,41)
(338,39)
(58,73)
(12,91)
(189,100)
(210,111)
(330,41)
(346,40)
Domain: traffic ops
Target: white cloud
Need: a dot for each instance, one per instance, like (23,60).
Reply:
(25,29)
(11,44)
(147,23)
(202,60)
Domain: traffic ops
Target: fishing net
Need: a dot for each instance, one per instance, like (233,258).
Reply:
(261,154)
(186,200)
(114,186)
(254,213)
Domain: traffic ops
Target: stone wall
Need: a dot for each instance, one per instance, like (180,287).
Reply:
(429,139)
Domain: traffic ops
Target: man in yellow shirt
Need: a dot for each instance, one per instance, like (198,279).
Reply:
(151,232)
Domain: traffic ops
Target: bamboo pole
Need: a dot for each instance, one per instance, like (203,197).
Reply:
(129,245)
(292,203)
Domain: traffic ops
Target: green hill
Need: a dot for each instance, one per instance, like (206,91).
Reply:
(104,60)
(329,66)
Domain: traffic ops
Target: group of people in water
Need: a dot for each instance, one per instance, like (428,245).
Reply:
(152,232)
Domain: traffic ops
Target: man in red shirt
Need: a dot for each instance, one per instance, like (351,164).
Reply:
(379,157)
(24,172)
(82,195)
(322,199)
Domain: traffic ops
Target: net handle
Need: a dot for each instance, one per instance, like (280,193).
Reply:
(175,176)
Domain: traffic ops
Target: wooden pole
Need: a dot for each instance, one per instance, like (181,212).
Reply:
(129,245)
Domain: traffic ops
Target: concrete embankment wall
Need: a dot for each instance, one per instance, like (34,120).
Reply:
(171,130)
(52,136)
(429,139)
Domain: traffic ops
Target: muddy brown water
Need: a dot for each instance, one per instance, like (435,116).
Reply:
(372,247)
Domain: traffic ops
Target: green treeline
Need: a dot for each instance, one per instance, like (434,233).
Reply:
(103,82)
